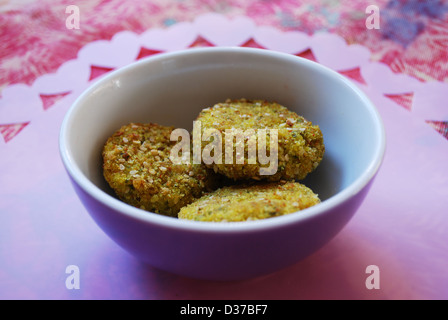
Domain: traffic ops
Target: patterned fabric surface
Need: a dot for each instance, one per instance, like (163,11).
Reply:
(412,37)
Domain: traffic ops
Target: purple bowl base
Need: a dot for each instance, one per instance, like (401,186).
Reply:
(224,256)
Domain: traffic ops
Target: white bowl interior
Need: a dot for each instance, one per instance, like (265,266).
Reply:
(171,89)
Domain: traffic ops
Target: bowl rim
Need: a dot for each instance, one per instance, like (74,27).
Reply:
(244,226)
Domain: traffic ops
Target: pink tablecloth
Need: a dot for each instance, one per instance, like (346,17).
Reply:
(402,227)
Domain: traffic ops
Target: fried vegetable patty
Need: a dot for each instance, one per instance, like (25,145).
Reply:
(253,201)
(137,166)
(300,143)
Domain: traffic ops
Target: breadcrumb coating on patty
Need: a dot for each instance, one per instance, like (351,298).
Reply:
(250,201)
(137,166)
(300,143)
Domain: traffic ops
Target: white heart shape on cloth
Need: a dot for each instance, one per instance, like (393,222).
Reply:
(290,42)
(121,50)
(18,104)
(222,31)
(176,37)
(69,75)
(430,101)
(332,51)
(384,80)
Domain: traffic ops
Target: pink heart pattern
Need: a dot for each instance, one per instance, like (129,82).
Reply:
(19,104)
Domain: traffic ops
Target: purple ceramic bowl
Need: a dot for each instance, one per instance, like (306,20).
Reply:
(171,89)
